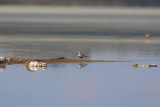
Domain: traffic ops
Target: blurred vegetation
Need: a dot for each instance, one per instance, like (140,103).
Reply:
(85,2)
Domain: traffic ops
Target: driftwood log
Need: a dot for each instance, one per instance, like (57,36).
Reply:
(61,60)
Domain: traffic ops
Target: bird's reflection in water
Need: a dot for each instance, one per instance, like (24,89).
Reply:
(35,68)
(81,65)
(2,68)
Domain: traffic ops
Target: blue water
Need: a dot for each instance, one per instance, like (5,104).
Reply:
(117,36)
(97,84)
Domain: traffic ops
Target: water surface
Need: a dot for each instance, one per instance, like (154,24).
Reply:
(114,34)
(94,85)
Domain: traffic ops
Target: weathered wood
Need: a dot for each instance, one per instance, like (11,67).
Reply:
(61,60)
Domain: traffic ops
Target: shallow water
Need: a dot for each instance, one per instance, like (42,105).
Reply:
(97,84)
(107,84)
(101,36)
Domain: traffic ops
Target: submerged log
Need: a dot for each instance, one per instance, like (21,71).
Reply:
(145,66)
(61,60)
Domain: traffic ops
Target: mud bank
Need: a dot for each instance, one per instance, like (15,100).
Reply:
(61,60)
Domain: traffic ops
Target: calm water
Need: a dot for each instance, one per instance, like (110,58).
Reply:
(93,85)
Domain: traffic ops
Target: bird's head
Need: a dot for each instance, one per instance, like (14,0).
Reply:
(78,52)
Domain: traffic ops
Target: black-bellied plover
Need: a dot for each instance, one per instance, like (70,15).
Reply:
(81,55)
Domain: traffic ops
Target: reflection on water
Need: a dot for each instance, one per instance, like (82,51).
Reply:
(2,68)
(81,65)
(35,68)
(49,35)
(42,68)
(28,68)
(98,84)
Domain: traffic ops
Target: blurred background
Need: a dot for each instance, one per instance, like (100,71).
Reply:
(80,17)
(116,30)
(28,27)
(85,2)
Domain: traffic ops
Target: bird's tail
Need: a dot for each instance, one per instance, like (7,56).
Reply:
(85,56)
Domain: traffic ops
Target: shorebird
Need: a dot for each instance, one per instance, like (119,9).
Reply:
(81,55)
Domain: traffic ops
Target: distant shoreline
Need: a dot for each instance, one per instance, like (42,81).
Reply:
(79,20)
(78,9)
